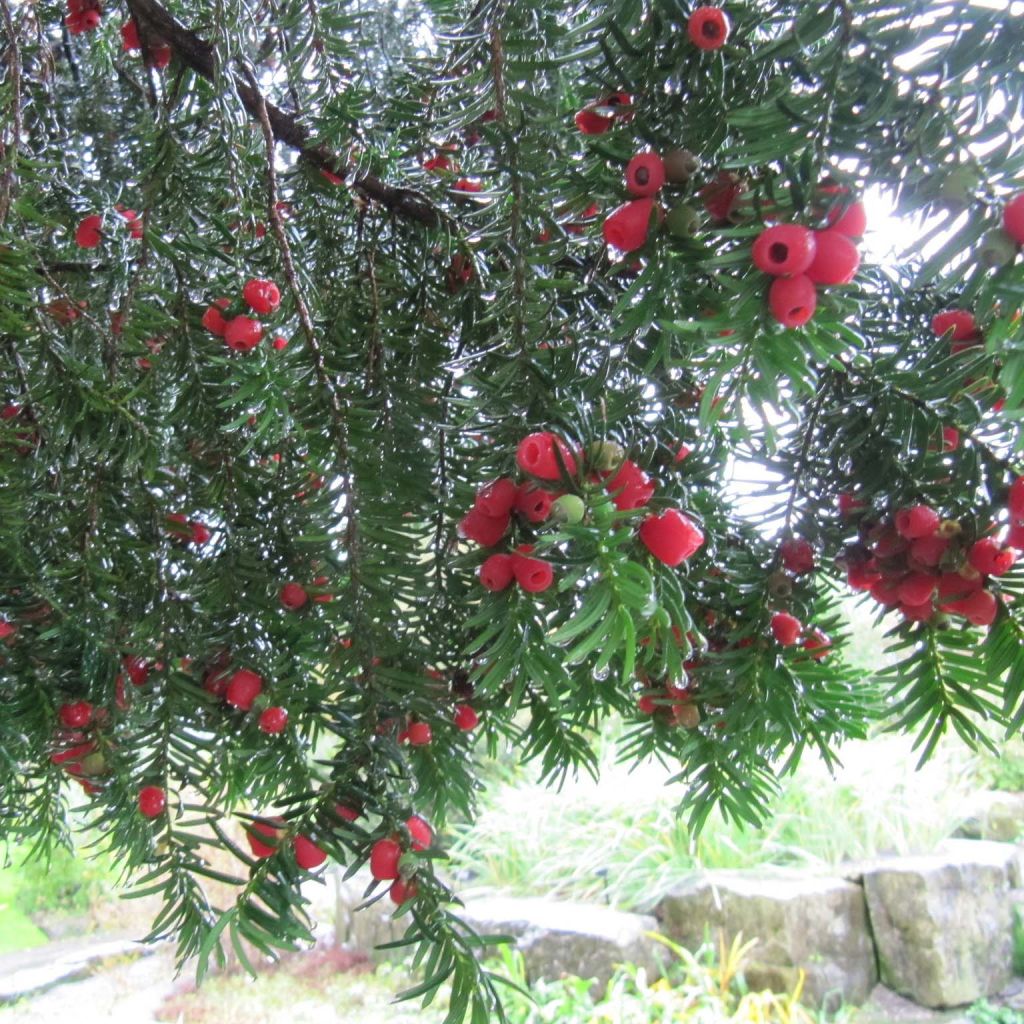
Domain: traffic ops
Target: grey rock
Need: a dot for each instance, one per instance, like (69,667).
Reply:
(943,923)
(815,925)
(994,814)
(339,908)
(559,938)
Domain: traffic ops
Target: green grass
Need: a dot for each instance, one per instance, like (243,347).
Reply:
(16,929)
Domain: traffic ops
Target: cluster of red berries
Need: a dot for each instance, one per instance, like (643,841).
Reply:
(159,53)
(386,858)
(265,840)
(920,564)
(78,752)
(89,233)
(190,531)
(671,536)
(670,699)
(241,689)
(242,333)
(294,596)
(788,631)
(83,16)
(800,259)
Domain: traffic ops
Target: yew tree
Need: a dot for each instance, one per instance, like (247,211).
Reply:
(375,384)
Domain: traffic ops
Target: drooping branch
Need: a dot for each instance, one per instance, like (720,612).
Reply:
(198,54)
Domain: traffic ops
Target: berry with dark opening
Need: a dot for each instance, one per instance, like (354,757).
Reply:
(242,333)
(708,28)
(629,486)
(465,718)
(384,857)
(293,596)
(75,716)
(534,575)
(307,854)
(496,572)
(836,258)
(152,801)
(786,628)
(916,521)
(88,234)
(538,454)
(671,537)
(262,296)
(626,227)
(792,300)
(533,503)
(645,174)
(273,720)
(990,558)
(784,250)
(244,686)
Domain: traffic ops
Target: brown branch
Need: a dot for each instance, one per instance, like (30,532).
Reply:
(199,55)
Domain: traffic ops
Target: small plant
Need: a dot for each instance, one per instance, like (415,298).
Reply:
(983,1012)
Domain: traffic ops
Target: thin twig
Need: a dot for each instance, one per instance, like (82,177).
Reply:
(14,64)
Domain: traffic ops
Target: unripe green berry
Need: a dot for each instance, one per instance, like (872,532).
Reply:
(683,221)
(680,166)
(569,509)
(997,248)
(958,187)
(606,455)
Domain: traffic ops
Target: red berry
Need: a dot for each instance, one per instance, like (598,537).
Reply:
(213,319)
(631,486)
(818,642)
(497,498)
(384,858)
(346,813)
(437,163)
(75,716)
(88,234)
(7,630)
(159,56)
(916,521)
(950,439)
(708,28)
(917,612)
(848,504)
(244,686)
(130,36)
(259,848)
(421,833)
(533,502)
(671,537)
(543,455)
(465,185)
(262,296)
(792,300)
(684,452)
(626,227)
(293,596)
(152,801)
(199,533)
(721,195)
(929,550)
(280,343)
(242,333)
(1013,218)
(465,718)
(886,542)
(989,558)
(953,588)
(646,705)
(1015,500)
(590,122)
(959,324)
(850,218)
(979,608)
(419,734)
(137,669)
(786,628)
(1015,536)
(307,854)
(135,230)
(835,258)
(401,892)
(784,250)
(917,588)
(645,174)
(273,720)
(797,555)
(496,572)
(885,592)
(485,530)
(534,575)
